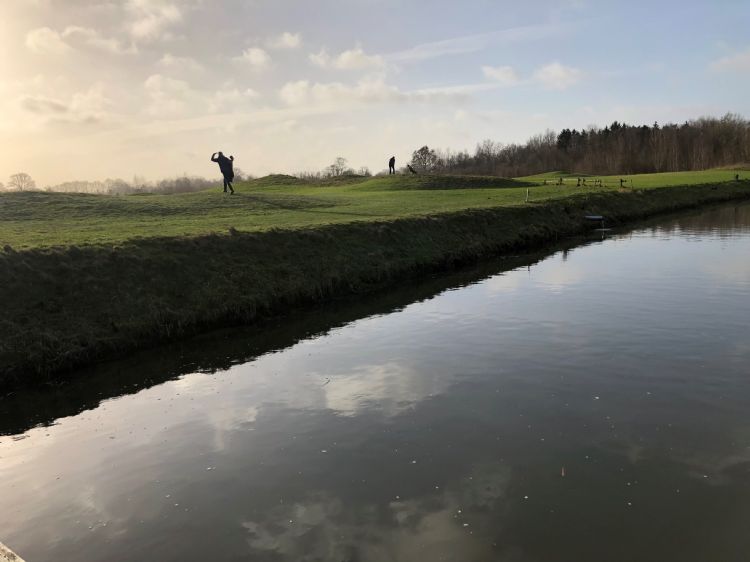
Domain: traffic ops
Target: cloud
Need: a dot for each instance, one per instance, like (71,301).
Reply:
(286,40)
(187,64)
(738,62)
(151,18)
(92,38)
(46,41)
(477,42)
(43,105)
(353,59)
(168,96)
(85,106)
(321,59)
(556,76)
(371,90)
(295,93)
(231,98)
(255,57)
(504,75)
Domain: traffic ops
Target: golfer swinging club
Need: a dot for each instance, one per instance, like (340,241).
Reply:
(226,165)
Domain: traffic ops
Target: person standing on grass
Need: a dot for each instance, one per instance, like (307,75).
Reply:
(226,165)
(392,165)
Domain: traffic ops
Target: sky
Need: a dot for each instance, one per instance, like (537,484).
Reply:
(95,89)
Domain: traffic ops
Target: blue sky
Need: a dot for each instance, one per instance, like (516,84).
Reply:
(94,89)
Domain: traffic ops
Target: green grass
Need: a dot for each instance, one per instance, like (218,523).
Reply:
(36,220)
(645,181)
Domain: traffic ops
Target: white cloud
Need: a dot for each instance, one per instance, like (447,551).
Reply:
(93,38)
(255,57)
(295,93)
(357,59)
(187,64)
(738,62)
(168,96)
(84,106)
(556,76)
(477,42)
(353,59)
(46,41)
(43,105)
(370,90)
(151,18)
(230,99)
(286,40)
(504,75)
(321,59)
(91,104)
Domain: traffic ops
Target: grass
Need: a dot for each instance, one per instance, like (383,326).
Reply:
(88,277)
(37,220)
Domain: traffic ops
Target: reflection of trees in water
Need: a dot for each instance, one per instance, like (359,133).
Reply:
(720,219)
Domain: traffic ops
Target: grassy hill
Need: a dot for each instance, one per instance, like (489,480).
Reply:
(36,219)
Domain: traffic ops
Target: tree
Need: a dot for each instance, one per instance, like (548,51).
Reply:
(338,167)
(21,181)
(240,175)
(424,159)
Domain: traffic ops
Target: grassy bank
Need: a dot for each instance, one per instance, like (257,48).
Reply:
(34,220)
(89,277)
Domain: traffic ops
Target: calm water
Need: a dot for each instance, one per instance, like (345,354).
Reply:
(592,404)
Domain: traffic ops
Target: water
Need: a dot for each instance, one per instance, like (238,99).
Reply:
(590,404)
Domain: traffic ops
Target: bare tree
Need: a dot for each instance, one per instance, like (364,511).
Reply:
(240,175)
(424,160)
(338,167)
(21,181)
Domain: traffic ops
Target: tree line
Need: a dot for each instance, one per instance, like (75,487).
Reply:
(618,149)
(183,184)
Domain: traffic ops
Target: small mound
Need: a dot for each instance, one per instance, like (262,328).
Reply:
(431,182)
(276,180)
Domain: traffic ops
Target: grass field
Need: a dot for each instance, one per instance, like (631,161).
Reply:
(36,219)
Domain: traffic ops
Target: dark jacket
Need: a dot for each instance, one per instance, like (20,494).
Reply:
(226,165)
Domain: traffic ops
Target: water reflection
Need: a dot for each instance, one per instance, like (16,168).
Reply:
(589,406)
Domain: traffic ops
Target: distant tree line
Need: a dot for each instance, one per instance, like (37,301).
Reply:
(339,167)
(24,182)
(616,149)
